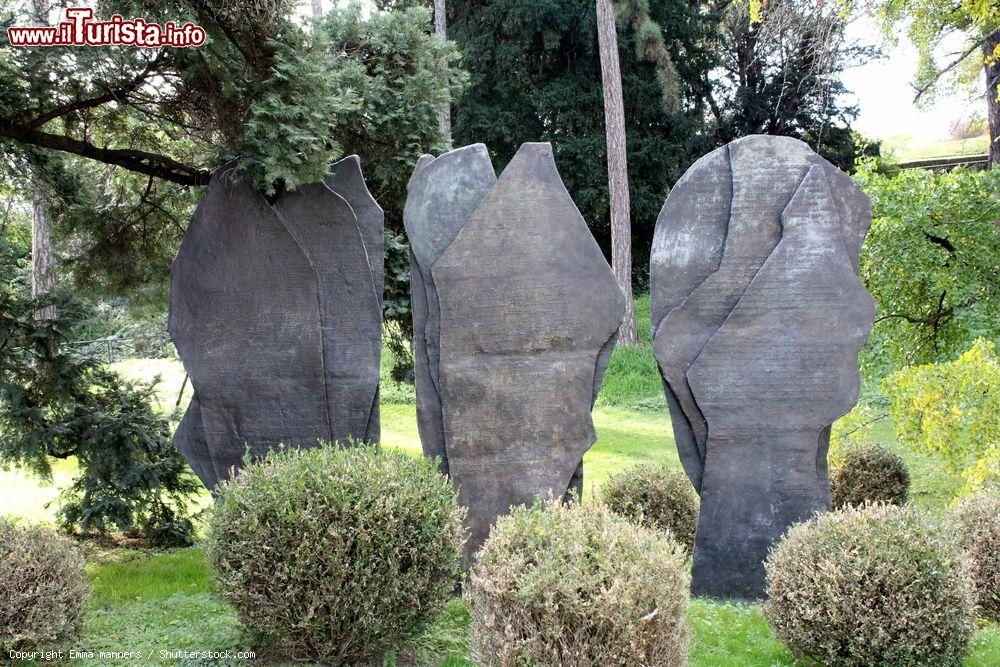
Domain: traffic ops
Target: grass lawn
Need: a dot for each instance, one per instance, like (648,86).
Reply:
(951,148)
(163,601)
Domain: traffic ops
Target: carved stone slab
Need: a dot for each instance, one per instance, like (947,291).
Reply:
(276,315)
(528,305)
(347,180)
(325,227)
(442,195)
(687,248)
(766,340)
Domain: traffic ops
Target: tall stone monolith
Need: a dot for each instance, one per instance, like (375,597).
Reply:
(758,316)
(515,313)
(276,312)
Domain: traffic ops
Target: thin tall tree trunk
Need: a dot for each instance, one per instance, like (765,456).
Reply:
(42,273)
(614,122)
(317,8)
(992,104)
(441,30)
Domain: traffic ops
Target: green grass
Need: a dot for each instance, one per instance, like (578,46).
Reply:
(153,601)
(953,148)
(127,576)
(181,622)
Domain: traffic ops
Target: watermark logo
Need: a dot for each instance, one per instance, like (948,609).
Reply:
(80,29)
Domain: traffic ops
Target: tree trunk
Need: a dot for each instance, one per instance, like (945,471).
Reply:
(614,122)
(42,274)
(441,30)
(992,90)
(317,8)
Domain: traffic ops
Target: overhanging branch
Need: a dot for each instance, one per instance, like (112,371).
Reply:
(920,90)
(113,94)
(150,164)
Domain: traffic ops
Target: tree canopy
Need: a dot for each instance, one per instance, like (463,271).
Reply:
(535,76)
(121,135)
(930,261)
(780,73)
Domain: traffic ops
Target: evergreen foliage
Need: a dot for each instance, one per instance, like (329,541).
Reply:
(535,76)
(119,136)
(56,405)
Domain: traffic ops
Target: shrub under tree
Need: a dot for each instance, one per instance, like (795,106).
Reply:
(43,588)
(334,554)
(560,584)
(877,585)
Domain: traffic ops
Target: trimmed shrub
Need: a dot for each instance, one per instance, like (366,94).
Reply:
(656,496)
(876,585)
(569,585)
(978,518)
(337,554)
(868,473)
(42,587)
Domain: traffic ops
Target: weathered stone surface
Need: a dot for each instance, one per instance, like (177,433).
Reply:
(347,180)
(276,315)
(442,195)
(190,440)
(690,232)
(760,356)
(244,318)
(528,305)
(325,227)
(763,172)
(687,248)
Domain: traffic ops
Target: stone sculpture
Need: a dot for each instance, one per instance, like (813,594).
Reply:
(276,312)
(758,315)
(515,313)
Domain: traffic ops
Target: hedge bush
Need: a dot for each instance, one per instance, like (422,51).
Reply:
(876,585)
(337,554)
(978,519)
(42,587)
(658,497)
(571,585)
(868,473)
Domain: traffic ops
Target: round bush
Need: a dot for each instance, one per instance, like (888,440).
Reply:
(337,554)
(978,519)
(869,473)
(656,496)
(572,585)
(42,587)
(876,585)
